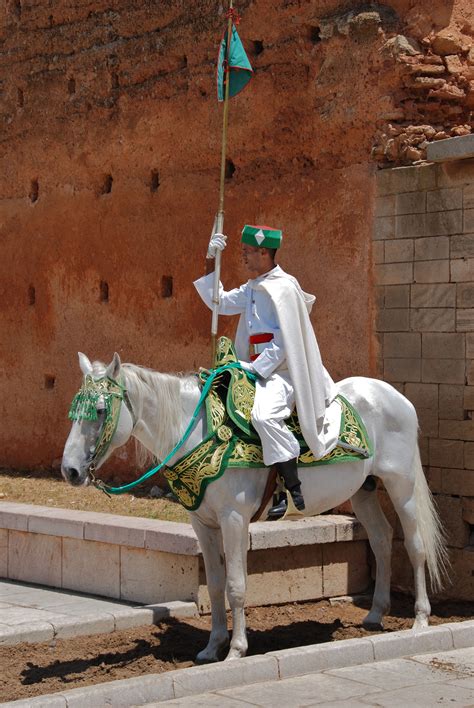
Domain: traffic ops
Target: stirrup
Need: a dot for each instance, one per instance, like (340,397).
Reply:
(291,510)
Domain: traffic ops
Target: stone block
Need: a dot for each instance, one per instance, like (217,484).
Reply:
(300,532)
(68,627)
(450,511)
(394,273)
(431,271)
(56,522)
(469,345)
(443,345)
(172,537)
(422,395)
(427,319)
(433,477)
(384,228)
(117,530)
(467,504)
(443,371)
(203,679)
(410,226)
(402,370)
(378,251)
(458,173)
(397,296)
(446,453)
(385,206)
(444,199)
(402,345)
(462,246)
(433,295)
(152,576)
(458,481)
(456,429)
(137,691)
(468,398)
(433,248)
(423,444)
(408,642)
(465,319)
(345,568)
(458,148)
(316,658)
(468,226)
(294,572)
(34,558)
(398,250)
(81,561)
(451,402)
(3,553)
(462,577)
(393,320)
(406,179)
(463,633)
(410,203)
(462,270)
(27,633)
(13,516)
(465,295)
(428,422)
(470,372)
(443,223)
(348,528)
(468,197)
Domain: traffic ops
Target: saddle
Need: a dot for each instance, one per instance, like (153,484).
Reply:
(232,442)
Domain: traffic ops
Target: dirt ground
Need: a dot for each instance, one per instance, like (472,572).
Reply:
(31,670)
(44,489)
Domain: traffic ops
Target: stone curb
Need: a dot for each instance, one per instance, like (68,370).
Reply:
(95,623)
(273,666)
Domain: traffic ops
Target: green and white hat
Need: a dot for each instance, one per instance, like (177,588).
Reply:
(262,236)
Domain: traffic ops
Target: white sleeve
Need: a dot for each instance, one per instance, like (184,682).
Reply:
(270,359)
(232,302)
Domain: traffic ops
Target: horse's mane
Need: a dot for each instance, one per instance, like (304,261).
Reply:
(166,390)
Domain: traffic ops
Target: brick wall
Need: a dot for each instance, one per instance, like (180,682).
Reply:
(424,262)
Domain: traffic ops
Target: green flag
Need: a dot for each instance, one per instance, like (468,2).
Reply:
(240,70)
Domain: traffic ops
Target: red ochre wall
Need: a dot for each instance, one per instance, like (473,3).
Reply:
(98,106)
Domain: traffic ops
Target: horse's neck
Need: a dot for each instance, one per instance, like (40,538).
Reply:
(163,405)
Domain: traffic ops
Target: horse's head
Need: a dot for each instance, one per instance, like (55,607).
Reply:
(100,420)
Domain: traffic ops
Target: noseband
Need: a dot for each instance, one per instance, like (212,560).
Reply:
(84,407)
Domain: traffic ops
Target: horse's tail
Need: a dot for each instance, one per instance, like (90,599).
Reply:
(430,528)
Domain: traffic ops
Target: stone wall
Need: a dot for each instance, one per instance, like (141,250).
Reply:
(424,256)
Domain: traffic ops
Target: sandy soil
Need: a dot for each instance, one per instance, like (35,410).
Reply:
(32,670)
(45,490)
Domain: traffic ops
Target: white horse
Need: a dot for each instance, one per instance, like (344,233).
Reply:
(156,409)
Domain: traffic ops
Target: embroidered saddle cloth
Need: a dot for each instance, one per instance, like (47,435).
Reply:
(231,440)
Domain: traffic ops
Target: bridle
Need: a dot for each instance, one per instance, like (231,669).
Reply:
(84,407)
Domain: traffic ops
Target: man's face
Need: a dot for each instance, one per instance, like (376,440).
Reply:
(252,256)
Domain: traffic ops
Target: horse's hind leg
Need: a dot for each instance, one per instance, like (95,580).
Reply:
(367,508)
(235,537)
(211,545)
(404,500)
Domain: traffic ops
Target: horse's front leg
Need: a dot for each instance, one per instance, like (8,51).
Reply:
(235,536)
(211,546)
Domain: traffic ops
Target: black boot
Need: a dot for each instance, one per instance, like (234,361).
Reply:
(289,472)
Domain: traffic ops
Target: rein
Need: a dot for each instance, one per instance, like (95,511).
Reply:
(84,406)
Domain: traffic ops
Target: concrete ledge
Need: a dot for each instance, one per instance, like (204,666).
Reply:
(140,559)
(257,669)
(458,148)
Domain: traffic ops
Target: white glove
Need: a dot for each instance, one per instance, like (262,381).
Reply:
(247,366)
(217,243)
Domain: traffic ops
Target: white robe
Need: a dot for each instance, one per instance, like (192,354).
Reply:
(298,349)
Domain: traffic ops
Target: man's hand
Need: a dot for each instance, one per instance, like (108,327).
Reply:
(217,243)
(247,366)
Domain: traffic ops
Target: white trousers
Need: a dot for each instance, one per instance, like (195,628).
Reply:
(274,401)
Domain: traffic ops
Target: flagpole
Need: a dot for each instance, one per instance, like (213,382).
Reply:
(219,223)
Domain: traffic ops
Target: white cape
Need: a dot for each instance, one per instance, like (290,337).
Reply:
(314,388)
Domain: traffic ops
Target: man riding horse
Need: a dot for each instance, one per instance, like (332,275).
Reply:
(275,340)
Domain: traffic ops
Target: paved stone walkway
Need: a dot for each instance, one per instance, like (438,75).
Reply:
(442,678)
(30,613)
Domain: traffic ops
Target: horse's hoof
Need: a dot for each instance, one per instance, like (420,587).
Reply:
(373,626)
(235,654)
(421,623)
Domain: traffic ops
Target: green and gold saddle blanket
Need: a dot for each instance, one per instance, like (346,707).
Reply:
(231,440)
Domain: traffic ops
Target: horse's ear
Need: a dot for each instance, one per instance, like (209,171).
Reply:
(113,369)
(85,364)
